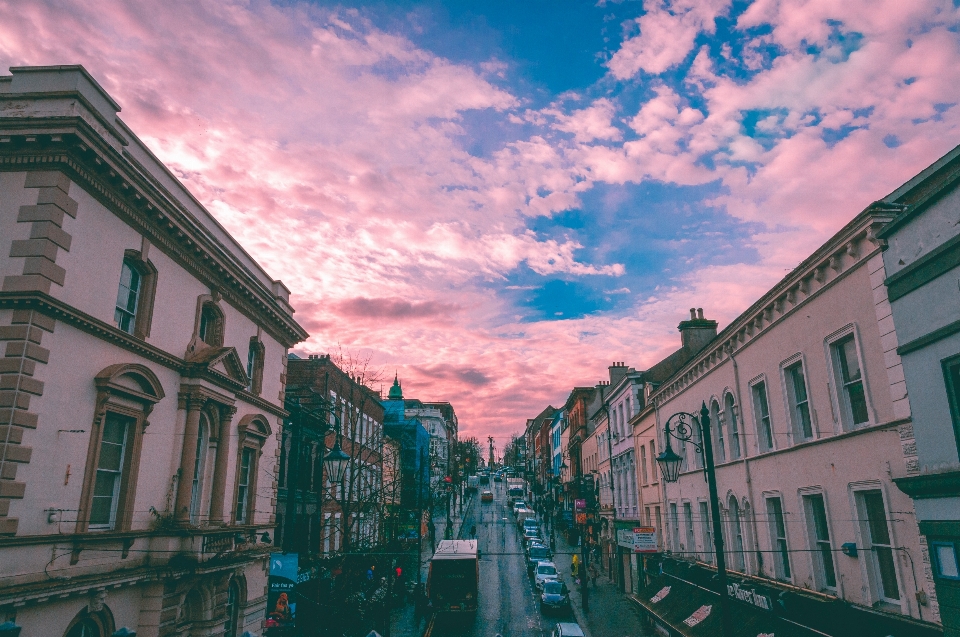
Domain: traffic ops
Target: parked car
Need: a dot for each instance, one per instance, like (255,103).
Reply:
(545,571)
(517,505)
(567,629)
(537,553)
(555,597)
(531,523)
(486,496)
(530,535)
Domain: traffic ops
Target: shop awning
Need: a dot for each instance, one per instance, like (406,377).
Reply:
(678,607)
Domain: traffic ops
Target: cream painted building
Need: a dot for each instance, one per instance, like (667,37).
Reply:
(810,423)
(142,386)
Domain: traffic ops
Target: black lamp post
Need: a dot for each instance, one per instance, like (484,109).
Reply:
(683,427)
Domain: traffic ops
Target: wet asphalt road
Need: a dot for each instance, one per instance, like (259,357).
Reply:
(508,605)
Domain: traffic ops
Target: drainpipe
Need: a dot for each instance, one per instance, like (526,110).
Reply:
(746,457)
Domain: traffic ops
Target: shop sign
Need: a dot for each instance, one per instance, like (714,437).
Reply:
(580,504)
(750,596)
(698,616)
(581,518)
(641,539)
(645,539)
(663,592)
(284,574)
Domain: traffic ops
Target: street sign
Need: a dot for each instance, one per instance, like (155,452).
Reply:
(580,504)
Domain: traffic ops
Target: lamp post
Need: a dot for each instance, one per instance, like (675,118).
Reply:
(684,425)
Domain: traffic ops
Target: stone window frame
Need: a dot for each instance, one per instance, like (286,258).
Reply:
(795,429)
(118,398)
(148,291)
(838,401)
(211,303)
(870,566)
(761,379)
(102,618)
(256,369)
(253,431)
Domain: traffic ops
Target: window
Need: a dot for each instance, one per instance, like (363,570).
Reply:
(778,539)
(106,490)
(255,354)
(799,404)
(210,325)
(674,528)
(945,563)
(716,419)
(820,545)
(653,460)
(876,535)
(951,375)
(133,311)
(730,412)
(196,489)
(128,297)
(706,532)
(125,395)
(243,485)
(232,610)
(688,527)
(643,465)
(853,400)
(761,412)
(736,527)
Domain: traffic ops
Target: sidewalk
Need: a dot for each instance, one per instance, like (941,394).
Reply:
(611,614)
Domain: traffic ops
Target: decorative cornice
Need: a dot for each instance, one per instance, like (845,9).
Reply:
(930,485)
(118,181)
(847,250)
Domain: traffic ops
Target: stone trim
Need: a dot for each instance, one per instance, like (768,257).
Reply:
(39,253)
(17,386)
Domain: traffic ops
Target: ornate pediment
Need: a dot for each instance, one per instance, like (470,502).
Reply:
(219,364)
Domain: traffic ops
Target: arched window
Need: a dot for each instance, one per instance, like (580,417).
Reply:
(736,528)
(134,307)
(86,627)
(210,328)
(89,623)
(720,453)
(255,366)
(730,415)
(196,491)
(234,601)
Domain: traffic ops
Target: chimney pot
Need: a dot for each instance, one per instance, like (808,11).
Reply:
(700,313)
(693,314)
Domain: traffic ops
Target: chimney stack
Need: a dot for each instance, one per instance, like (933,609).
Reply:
(697,332)
(617,371)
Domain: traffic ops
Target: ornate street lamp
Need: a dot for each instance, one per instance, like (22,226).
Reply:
(682,426)
(337,462)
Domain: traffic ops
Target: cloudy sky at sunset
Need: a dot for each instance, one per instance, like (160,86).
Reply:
(497,198)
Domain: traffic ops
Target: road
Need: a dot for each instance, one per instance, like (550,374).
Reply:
(508,605)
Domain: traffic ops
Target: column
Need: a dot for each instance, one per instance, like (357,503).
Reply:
(188,458)
(220,466)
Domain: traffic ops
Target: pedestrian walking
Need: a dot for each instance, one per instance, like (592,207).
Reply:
(473,531)
(593,573)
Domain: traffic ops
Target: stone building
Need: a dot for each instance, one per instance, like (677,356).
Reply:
(323,518)
(922,269)
(808,418)
(142,386)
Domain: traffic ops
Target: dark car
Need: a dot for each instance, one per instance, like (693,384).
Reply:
(538,553)
(486,496)
(497,477)
(555,596)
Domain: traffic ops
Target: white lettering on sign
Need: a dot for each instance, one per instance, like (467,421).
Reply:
(765,635)
(663,592)
(698,616)
(749,596)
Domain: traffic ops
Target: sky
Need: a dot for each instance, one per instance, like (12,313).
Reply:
(494,199)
